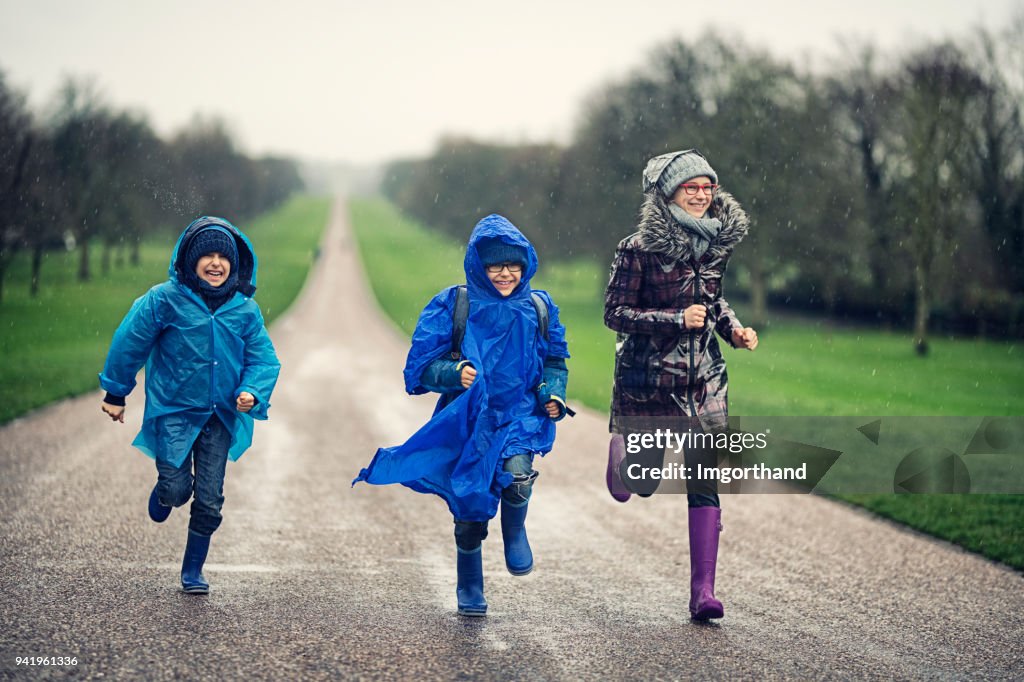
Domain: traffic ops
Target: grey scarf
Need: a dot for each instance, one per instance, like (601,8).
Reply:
(702,231)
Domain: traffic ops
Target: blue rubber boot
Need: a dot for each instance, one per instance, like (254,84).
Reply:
(470,591)
(518,555)
(192,580)
(157,511)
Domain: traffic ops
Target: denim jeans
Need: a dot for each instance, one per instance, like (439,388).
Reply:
(523,476)
(469,534)
(175,485)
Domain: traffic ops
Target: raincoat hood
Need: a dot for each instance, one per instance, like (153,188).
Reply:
(247,262)
(497,227)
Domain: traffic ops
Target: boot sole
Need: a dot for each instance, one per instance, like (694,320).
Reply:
(196,590)
(616,488)
(473,613)
(708,614)
(523,572)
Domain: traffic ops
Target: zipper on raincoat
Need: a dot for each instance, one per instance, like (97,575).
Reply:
(693,340)
(213,359)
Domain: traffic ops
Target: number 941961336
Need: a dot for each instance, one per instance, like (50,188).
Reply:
(46,660)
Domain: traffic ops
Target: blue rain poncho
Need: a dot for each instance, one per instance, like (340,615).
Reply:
(458,453)
(197,361)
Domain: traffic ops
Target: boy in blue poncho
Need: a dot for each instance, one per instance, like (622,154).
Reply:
(210,370)
(502,388)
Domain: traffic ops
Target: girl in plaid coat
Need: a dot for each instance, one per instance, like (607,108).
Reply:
(665,300)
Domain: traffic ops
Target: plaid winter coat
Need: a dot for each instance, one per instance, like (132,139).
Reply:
(663,369)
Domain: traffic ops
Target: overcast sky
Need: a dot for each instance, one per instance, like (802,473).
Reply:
(370,80)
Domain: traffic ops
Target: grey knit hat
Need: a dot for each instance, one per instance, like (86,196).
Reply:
(668,171)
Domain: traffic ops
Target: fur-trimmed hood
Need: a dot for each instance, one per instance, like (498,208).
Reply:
(659,233)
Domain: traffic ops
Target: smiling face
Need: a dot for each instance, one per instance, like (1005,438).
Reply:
(503,278)
(697,204)
(213,268)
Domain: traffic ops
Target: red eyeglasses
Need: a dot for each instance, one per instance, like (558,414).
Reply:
(691,188)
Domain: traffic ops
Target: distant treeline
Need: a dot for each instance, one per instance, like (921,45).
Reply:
(883,189)
(85,173)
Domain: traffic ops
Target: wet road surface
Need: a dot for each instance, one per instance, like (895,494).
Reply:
(312,579)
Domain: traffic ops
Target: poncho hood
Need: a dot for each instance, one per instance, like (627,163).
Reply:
(247,262)
(498,227)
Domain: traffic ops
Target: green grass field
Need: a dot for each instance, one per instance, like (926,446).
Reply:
(53,346)
(802,367)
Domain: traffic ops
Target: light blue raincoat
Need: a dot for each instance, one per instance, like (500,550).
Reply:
(458,453)
(197,361)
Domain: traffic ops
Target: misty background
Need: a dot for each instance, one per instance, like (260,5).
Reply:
(877,146)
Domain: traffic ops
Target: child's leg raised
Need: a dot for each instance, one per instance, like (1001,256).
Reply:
(514,502)
(173,487)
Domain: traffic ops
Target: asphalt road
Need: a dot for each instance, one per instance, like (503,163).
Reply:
(313,579)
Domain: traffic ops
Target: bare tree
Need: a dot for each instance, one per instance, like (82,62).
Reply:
(937,89)
(997,142)
(16,132)
(132,153)
(864,96)
(79,121)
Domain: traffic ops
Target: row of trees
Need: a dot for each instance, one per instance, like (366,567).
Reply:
(86,174)
(887,189)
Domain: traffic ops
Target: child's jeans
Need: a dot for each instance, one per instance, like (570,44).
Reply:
(175,485)
(469,534)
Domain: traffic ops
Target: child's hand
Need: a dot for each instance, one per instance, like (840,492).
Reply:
(693,317)
(115,412)
(468,375)
(744,338)
(245,401)
(553,408)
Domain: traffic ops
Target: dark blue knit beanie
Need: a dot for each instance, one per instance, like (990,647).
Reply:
(494,251)
(208,240)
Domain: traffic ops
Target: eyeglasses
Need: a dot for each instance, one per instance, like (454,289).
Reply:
(692,188)
(498,267)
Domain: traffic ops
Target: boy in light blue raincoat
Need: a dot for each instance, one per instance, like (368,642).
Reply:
(210,370)
(502,388)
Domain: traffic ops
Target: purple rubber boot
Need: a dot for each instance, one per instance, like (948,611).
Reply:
(612,477)
(705,525)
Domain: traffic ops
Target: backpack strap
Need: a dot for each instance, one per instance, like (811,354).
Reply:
(461,314)
(542,314)
(459,318)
